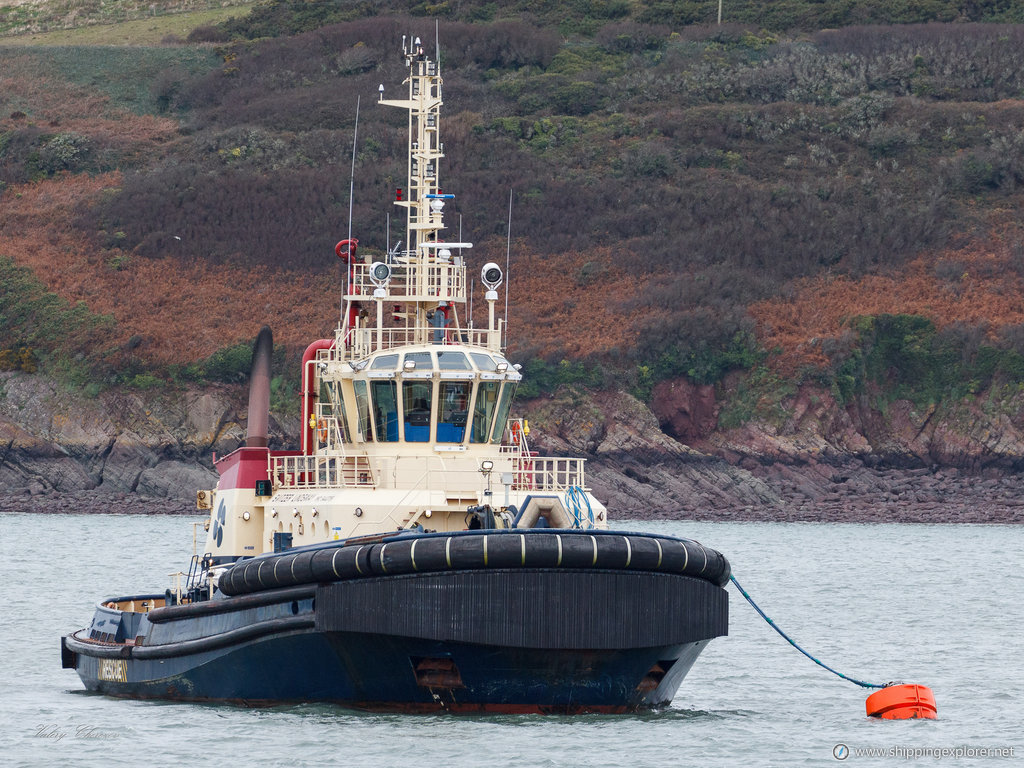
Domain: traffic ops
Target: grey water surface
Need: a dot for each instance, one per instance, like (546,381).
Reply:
(939,605)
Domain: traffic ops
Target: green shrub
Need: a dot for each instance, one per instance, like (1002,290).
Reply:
(146,381)
(18,359)
(65,339)
(906,357)
(707,361)
(758,395)
(543,377)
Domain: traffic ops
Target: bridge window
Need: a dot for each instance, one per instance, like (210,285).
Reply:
(385,410)
(504,406)
(454,404)
(423,360)
(363,408)
(416,406)
(385,363)
(483,411)
(331,404)
(484,362)
(452,361)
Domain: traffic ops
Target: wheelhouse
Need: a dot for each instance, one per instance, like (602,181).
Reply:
(450,396)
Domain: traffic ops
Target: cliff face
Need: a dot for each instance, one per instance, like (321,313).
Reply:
(977,433)
(957,462)
(157,446)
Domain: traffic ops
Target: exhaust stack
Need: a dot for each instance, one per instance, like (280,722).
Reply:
(259,390)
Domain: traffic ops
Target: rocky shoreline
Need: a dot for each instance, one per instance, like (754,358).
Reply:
(126,453)
(822,494)
(95,502)
(774,493)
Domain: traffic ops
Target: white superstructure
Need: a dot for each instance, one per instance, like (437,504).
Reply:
(406,411)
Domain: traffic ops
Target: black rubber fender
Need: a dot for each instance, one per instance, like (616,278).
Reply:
(477,550)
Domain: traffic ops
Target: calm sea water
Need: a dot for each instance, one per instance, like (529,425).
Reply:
(936,605)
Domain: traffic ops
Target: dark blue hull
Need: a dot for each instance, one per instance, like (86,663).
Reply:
(379,673)
(524,640)
(561,622)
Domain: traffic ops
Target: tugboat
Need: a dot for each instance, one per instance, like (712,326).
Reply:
(414,555)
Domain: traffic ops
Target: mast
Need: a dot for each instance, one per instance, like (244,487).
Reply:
(440,277)
(426,282)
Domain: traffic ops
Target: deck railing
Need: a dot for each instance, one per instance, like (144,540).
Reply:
(321,472)
(435,280)
(542,473)
(529,473)
(362,342)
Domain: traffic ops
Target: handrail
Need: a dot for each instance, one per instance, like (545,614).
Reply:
(328,426)
(436,280)
(363,340)
(529,473)
(535,473)
(318,471)
(414,487)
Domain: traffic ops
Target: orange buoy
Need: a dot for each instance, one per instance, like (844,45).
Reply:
(902,702)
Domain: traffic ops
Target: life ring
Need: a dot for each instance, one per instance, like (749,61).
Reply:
(517,433)
(346,249)
(321,431)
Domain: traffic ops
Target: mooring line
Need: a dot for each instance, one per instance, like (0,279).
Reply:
(792,642)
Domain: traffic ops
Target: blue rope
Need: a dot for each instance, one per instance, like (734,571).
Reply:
(576,497)
(792,642)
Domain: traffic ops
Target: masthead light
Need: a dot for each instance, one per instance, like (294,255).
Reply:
(380,273)
(491,275)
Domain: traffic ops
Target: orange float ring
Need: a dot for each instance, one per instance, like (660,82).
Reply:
(321,432)
(902,702)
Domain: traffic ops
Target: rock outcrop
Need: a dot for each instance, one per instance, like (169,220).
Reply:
(118,445)
(150,452)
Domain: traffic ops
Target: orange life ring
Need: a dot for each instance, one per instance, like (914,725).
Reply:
(516,432)
(321,432)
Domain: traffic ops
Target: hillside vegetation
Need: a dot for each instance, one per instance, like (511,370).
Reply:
(700,199)
(108,22)
(273,18)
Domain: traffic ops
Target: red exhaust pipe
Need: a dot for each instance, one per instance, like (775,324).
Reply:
(309,395)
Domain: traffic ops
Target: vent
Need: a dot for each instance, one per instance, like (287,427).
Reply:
(655,675)
(68,658)
(436,672)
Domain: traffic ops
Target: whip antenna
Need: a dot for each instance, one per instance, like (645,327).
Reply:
(351,187)
(508,258)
